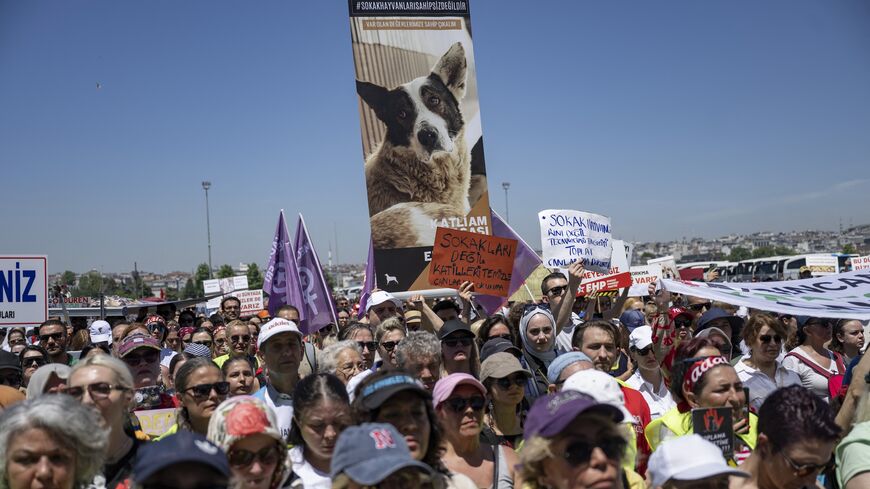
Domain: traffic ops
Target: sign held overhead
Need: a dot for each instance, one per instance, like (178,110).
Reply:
(23,290)
(460,256)
(567,236)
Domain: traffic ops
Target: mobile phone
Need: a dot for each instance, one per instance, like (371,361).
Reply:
(745,412)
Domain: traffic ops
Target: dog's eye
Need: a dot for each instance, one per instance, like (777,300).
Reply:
(434,100)
(402,114)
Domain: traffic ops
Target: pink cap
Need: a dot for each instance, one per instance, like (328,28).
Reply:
(446,386)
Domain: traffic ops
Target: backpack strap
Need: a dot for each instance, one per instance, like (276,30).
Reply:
(311,356)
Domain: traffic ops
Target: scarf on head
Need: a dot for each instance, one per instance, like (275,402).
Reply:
(544,357)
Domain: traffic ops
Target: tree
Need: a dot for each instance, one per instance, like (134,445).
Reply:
(763,252)
(225,271)
(739,253)
(68,278)
(849,249)
(784,251)
(201,274)
(255,278)
(189,291)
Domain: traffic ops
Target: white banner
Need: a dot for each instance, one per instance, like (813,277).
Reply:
(822,265)
(861,263)
(844,295)
(225,285)
(23,290)
(568,236)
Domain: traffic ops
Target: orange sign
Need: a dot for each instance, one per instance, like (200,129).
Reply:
(460,256)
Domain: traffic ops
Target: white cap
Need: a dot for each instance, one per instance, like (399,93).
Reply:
(670,461)
(640,338)
(379,297)
(100,332)
(276,326)
(601,386)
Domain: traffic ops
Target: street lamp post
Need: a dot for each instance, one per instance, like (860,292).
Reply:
(206,186)
(507,212)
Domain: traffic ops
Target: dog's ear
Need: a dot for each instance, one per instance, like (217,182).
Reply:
(451,68)
(373,95)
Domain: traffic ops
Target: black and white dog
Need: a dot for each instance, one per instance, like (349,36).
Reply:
(424,158)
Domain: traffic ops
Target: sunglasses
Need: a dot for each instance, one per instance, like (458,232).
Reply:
(805,470)
(460,404)
(453,342)
(136,360)
(53,336)
(698,307)
(557,290)
(97,391)
(368,345)
(203,390)
(579,452)
(682,322)
(506,382)
(390,345)
(531,307)
(766,338)
(32,362)
(645,351)
(242,458)
(240,338)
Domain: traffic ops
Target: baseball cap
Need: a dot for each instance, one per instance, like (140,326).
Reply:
(632,319)
(706,333)
(675,312)
(558,365)
(100,331)
(135,341)
(498,345)
(276,326)
(552,413)
(601,386)
(501,365)
(454,327)
(371,452)
(379,297)
(640,338)
(375,394)
(413,317)
(446,386)
(669,461)
(182,447)
(716,313)
(9,361)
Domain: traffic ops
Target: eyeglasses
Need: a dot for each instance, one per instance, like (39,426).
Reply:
(11,380)
(390,345)
(506,382)
(460,404)
(240,338)
(579,452)
(204,343)
(203,390)
(453,342)
(807,469)
(644,351)
(97,390)
(136,360)
(557,290)
(242,458)
(32,362)
(54,336)
(368,345)
(766,338)
(682,322)
(698,307)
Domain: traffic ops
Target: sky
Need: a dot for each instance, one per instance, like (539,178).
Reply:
(674,118)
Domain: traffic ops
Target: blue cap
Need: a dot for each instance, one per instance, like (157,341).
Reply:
(371,452)
(562,361)
(716,313)
(632,318)
(182,447)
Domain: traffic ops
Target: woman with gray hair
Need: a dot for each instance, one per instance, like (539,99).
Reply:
(420,355)
(343,359)
(50,441)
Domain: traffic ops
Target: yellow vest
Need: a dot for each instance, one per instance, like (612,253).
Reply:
(680,424)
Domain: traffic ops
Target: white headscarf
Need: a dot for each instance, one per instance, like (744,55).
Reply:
(547,356)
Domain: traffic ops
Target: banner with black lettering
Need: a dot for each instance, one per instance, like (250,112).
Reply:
(843,295)
(421,131)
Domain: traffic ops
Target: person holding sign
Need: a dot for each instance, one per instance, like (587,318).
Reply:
(703,378)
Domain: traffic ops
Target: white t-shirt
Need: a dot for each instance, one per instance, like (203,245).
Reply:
(815,382)
(282,406)
(760,385)
(310,476)
(659,400)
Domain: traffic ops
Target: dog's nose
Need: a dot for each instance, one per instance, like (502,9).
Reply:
(428,138)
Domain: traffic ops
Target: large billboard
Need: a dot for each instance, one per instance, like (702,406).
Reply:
(421,133)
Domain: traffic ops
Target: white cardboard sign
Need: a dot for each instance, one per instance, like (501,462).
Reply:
(861,262)
(568,236)
(225,285)
(641,277)
(23,290)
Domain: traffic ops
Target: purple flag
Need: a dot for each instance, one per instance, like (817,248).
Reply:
(525,263)
(281,281)
(316,294)
(371,282)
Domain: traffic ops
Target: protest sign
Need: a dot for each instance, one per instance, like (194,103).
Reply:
(605,283)
(155,422)
(460,256)
(861,262)
(844,295)
(252,301)
(668,264)
(641,277)
(716,425)
(23,290)
(568,236)
(225,285)
(417,180)
(822,265)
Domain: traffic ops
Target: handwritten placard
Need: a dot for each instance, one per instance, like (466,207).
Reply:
(155,422)
(715,425)
(861,262)
(460,256)
(568,236)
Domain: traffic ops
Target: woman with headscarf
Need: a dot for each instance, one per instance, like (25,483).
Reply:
(246,429)
(48,379)
(538,338)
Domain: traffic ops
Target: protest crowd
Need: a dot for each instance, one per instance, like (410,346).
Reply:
(570,391)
